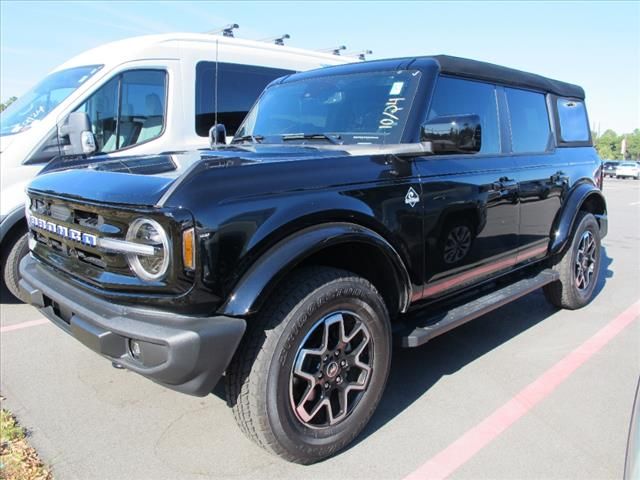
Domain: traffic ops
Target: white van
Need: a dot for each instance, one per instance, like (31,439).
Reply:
(142,95)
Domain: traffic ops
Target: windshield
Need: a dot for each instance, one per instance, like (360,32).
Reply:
(34,105)
(355,108)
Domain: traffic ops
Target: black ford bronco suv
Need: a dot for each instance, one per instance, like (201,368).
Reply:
(356,206)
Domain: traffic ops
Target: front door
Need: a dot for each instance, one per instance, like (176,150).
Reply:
(471,213)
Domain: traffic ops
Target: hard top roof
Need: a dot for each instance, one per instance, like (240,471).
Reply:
(457,66)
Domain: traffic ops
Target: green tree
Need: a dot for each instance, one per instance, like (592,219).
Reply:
(608,145)
(7,103)
(633,145)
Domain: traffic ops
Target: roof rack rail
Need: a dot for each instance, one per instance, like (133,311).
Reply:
(361,55)
(334,50)
(226,31)
(277,40)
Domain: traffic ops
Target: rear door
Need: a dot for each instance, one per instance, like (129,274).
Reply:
(470,200)
(542,172)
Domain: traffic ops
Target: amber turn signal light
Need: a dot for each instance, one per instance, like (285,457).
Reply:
(189,249)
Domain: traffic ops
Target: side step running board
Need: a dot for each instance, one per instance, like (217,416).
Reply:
(420,330)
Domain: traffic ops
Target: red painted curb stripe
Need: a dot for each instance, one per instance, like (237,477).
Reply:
(475,439)
(20,326)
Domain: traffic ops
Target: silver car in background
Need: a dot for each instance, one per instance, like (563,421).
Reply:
(628,170)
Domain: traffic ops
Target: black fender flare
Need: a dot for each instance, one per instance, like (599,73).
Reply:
(253,287)
(564,222)
(11,220)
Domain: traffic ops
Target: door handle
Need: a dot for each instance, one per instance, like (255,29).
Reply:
(559,178)
(504,183)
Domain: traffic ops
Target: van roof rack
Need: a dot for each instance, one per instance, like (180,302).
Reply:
(334,50)
(226,31)
(361,55)
(277,40)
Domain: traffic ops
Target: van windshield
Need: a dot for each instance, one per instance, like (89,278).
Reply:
(353,108)
(34,105)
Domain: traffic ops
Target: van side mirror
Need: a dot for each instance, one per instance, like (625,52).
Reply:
(75,136)
(453,134)
(217,135)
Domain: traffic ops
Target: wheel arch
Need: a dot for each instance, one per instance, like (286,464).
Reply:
(343,245)
(584,197)
(13,223)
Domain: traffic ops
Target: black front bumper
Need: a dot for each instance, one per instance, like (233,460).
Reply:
(181,352)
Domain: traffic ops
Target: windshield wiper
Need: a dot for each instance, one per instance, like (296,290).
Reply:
(247,138)
(312,136)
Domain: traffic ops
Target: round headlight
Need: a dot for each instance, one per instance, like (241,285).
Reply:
(149,232)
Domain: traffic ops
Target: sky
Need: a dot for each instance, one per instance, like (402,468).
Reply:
(594,44)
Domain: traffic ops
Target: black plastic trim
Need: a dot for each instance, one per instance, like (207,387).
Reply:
(563,225)
(186,353)
(10,221)
(253,288)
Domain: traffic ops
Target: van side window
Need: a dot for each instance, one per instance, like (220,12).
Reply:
(128,110)
(530,131)
(238,88)
(454,96)
(574,126)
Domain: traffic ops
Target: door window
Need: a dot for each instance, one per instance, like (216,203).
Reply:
(238,88)
(128,110)
(530,131)
(573,120)
(454,96)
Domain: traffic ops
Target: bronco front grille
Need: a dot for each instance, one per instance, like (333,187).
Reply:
(67,235)
(85,241)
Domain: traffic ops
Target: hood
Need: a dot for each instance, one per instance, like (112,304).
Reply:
(6,140)
(146,180)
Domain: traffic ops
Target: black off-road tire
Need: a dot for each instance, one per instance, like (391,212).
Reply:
(565,293)
(258,379)
(17,248)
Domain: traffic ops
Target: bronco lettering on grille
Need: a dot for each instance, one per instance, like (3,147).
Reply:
(62,231)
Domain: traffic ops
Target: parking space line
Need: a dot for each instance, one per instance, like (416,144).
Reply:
(20,326)
(475,439)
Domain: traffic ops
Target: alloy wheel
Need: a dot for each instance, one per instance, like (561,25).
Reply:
(332,370)
(585,261)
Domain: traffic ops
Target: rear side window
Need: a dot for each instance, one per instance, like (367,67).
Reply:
(530,131)
(238,88)
(454,96)
(574,126)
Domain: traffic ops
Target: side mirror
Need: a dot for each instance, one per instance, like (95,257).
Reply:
(453,134)
(75,136)
(217,135)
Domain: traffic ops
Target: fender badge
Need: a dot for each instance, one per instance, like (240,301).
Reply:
(412,197)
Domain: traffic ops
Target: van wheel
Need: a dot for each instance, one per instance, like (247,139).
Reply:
(11,273)
(312,366)
(578,266)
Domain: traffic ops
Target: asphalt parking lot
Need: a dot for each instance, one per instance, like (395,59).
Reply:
(527,391)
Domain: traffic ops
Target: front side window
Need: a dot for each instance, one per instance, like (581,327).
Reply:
(34,105)
(530,131)
(574,126)
(353,108)
(455,97)
(238,88)
(128,110)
